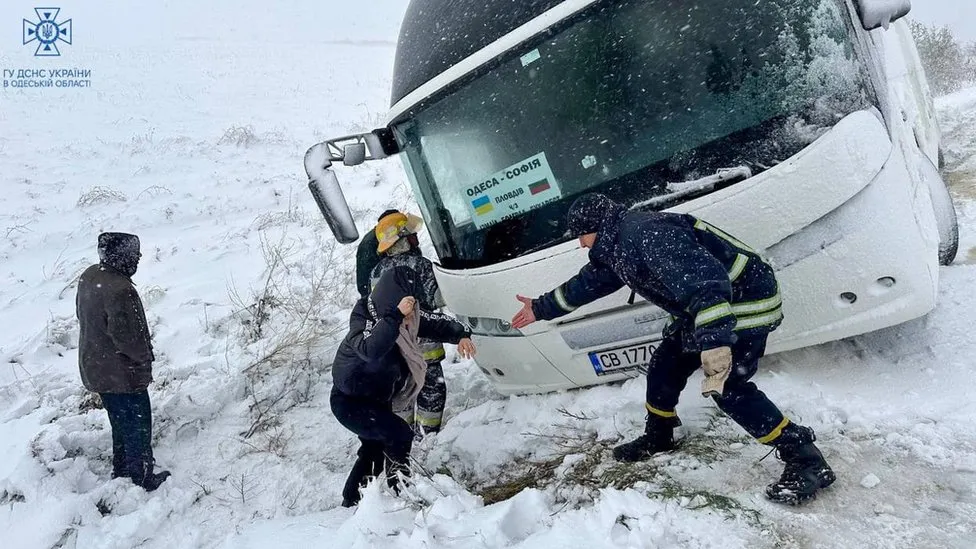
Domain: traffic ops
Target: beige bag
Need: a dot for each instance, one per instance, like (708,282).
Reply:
(404,401)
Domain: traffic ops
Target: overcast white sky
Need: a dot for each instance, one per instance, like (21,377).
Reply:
(960,15)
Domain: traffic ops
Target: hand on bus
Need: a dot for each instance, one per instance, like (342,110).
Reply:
(525,316)
(466,348)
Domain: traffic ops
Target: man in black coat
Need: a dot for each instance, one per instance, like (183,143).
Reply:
(115,355)
(379,365)
(724,301)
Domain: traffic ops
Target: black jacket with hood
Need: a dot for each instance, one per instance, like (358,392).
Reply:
(368,363)
(366,260)
(115,353)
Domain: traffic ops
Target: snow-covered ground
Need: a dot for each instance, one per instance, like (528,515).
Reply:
(192,136)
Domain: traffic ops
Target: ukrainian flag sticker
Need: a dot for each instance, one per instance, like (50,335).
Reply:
(482,205)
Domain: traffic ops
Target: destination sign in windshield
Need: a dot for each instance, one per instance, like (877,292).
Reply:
(511,191)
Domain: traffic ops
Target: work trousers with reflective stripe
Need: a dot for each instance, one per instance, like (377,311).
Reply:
(427,412)
(670,369)
(432,397)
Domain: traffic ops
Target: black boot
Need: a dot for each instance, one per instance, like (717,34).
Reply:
(368,465)
(147,479)
(806,470)
(358,478)
(658,437)
(154,480)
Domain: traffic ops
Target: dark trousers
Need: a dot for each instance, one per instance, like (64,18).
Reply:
(385,440)
(432,397)
(671,367)
(131,418)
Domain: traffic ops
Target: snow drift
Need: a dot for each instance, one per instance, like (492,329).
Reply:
(196,143)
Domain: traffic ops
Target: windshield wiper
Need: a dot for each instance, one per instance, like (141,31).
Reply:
(543,246)
(697,187)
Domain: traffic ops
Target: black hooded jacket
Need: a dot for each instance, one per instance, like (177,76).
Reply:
(368,363)
(366,260)
(115,352)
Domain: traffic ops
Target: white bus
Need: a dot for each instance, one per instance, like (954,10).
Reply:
(802,127)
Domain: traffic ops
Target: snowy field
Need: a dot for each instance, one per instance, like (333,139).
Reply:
(192,136)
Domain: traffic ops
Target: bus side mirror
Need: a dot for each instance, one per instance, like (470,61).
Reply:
(325,189)
(354,154)
(881,13)
(351,150)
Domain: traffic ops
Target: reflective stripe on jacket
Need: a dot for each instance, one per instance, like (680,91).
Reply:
(714,286)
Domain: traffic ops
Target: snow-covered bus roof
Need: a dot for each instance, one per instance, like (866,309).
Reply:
(437,34)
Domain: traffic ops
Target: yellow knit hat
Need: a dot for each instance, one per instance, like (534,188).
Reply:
(394,226)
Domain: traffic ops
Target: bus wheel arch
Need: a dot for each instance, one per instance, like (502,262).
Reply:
(945,211)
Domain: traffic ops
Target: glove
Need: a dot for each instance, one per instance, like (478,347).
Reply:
(717,364)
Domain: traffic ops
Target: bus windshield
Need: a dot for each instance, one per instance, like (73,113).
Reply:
(622,99)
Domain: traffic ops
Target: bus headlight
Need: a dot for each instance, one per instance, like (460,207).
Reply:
(492,327)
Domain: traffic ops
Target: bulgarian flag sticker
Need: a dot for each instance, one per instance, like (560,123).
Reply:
(539,186)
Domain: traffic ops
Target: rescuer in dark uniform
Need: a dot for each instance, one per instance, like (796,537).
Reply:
(724,301)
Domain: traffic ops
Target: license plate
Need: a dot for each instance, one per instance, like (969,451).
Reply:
(625,358)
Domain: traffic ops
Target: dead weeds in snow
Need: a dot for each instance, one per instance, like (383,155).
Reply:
(580,462)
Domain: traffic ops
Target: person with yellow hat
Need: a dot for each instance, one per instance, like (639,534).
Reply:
(398,246)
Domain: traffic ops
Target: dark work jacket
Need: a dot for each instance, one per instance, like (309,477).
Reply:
(366,260)
(715,287)
(368,363)
(430,295)
(115,353)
